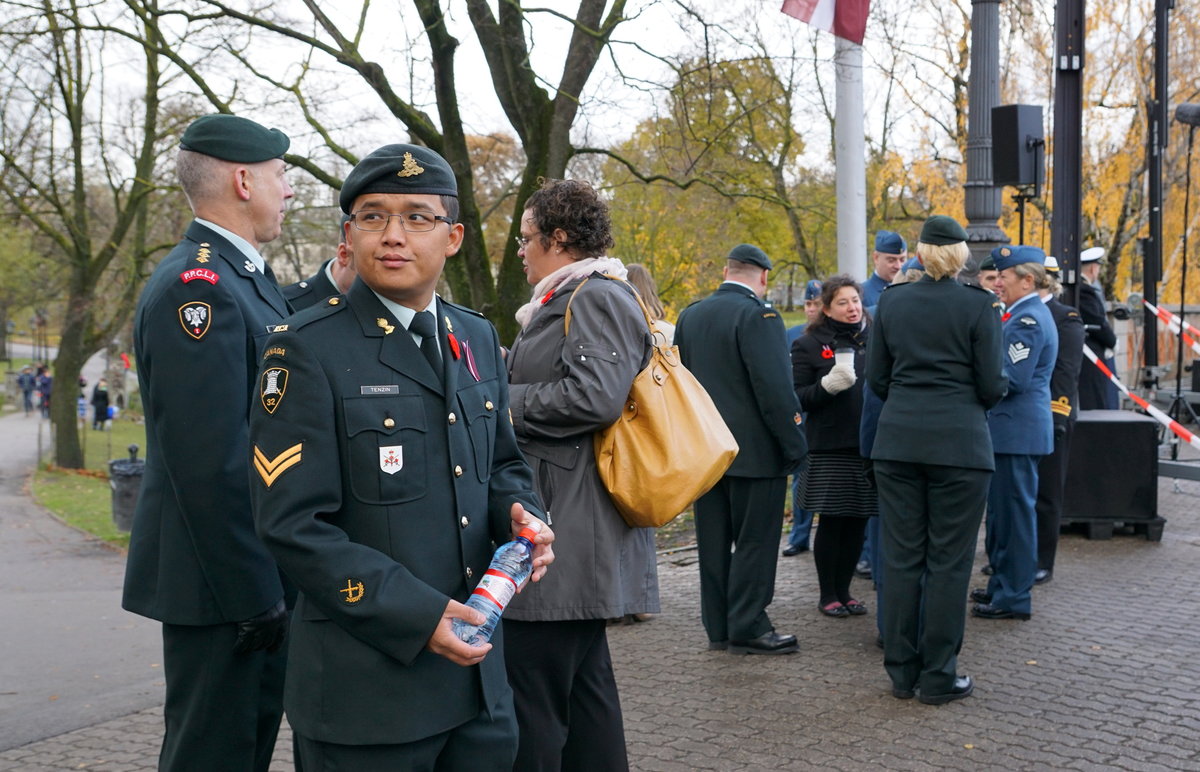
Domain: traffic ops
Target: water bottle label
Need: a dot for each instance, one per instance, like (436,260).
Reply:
(497,587)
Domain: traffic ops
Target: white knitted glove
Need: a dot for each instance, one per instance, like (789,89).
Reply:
(837,380)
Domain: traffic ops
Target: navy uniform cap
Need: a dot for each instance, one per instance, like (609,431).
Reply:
(1091,254)
(812,290)
(1051,264)
(890,243)
(1007,257)
(233,138)
(748,253)
(399,169)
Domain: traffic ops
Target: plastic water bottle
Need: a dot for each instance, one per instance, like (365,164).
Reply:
(510,569)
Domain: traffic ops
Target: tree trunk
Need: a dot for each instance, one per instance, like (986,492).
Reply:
(72,355)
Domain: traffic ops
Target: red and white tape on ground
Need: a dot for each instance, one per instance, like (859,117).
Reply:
(1159,415)
(1175,325)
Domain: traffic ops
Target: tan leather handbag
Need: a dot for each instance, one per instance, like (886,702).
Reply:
(670,445)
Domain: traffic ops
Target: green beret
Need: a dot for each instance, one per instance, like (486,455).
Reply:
(236,139)
(940,230)
(399,169)
(748,253)
(987,264)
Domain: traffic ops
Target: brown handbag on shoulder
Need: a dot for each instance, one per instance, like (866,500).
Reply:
(670,445)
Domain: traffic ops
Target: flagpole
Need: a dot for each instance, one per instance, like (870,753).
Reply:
(850,160)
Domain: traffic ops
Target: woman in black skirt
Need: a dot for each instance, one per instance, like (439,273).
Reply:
(834,482)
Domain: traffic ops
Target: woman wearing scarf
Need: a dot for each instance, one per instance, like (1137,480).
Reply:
(565,386)
(834,482)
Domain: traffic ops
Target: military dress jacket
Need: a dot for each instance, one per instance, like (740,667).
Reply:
(312,290)
(383,491)
(934,358)
(565,385)
(736,346)
(1096,391)
(872,290)
(200,327)
(1064,380)
(1021,423)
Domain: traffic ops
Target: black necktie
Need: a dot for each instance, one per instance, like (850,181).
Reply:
(425,325)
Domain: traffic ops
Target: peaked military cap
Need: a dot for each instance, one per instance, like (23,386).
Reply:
(399,169)
(1091,254)
(940,230)
(890,243)
(233,138)
(1007,257)
(1051,264)
(750,254)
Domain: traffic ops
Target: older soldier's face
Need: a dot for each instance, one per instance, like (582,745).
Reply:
(1011,287)
(270,192)
(887,266)
(402,265)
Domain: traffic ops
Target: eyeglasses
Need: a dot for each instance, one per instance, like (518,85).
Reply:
(523,241)
(412,222)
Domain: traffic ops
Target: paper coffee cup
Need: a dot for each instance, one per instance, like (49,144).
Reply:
(844,356)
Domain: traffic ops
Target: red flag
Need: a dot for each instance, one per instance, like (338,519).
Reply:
(845,18)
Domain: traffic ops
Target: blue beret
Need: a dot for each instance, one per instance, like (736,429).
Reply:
(235,139)
(399,169)
(1007,257)
(748,253)
(912,263)
(812,290)
(890,243)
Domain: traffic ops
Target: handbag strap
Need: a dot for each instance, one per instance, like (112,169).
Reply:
(632,289)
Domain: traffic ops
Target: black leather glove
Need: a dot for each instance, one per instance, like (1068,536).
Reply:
(265,632)
(1060,431)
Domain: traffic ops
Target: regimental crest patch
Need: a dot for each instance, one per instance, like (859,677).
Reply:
(271,387)
(354,590)
(196,317)
(269,469)
(391,458)
(410,167)
(1017,352)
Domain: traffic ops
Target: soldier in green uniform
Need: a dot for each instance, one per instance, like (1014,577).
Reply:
(934,358)
(334,277)
(736,345)
(194,562)
(385,472)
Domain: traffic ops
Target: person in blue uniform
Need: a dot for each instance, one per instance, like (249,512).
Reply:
(736,346)
(385,472)
(1096,391)
(334,277)
(889,255)
(1064,407)
(194,561)
(798,536)
(934,360)
(1022,432)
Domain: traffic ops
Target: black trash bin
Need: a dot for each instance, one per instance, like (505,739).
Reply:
(125,476)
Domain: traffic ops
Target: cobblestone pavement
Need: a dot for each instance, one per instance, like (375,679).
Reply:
(1105,676)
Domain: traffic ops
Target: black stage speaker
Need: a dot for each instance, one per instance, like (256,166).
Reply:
(1195,374)
(1112,474)
(1017,142)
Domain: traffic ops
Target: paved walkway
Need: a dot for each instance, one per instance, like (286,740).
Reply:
(1105,676)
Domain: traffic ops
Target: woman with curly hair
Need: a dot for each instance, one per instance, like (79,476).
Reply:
(565,385)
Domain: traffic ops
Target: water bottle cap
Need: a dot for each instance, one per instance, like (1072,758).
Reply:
(528,534)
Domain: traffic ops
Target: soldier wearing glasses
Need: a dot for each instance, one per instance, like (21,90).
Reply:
(385,471)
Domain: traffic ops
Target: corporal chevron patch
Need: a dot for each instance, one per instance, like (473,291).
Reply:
(269,469)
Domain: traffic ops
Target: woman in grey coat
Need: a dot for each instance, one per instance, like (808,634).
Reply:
(565,386)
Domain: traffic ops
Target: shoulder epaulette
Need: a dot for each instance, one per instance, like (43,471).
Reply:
(306,316)
(293,291)
(464,309)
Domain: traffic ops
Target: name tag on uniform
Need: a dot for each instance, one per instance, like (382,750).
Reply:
(366,390)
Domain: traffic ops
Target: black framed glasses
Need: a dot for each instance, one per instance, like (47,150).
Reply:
(373,221)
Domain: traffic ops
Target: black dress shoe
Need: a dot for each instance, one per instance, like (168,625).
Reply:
(1042,576)
(794,549)
(988,611)
(987,570)
(718,645)
(962,688)
(981,595)
(769,642)
(903,694)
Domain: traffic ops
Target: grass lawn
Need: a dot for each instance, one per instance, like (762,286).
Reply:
(83,498)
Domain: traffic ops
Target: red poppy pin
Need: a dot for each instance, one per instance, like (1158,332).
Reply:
(454,349)
(826,352)
(1004,317)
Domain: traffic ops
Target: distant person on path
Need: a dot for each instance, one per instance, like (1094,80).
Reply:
(99,404)
(333,278)
(195,563)
(45,385)
(797,540)
(1096,391)
(644,283)
(27,383)
(834,480)
(890,253)
(934,358)
(735,344)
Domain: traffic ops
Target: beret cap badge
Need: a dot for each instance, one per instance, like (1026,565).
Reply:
(410,168)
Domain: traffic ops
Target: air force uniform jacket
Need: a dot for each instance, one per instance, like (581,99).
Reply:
(1020,424)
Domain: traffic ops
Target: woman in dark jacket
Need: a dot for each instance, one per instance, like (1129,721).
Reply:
(834,482)
(566,384)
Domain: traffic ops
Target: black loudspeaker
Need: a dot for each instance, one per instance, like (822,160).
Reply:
(1112,474)
(1195,374)
(1017,145)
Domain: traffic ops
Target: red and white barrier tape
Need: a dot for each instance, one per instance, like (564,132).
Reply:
(1159,415)
(1175,325)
